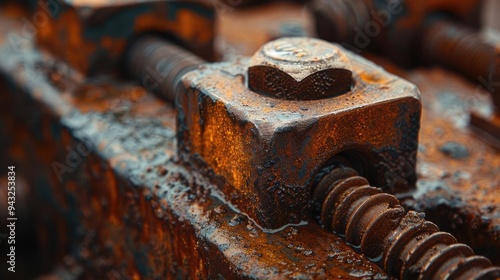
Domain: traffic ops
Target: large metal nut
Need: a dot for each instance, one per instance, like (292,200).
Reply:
(300,69)
(265,152)
(93,35)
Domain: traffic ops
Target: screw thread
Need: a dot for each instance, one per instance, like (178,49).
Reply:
(404,245)
(160,65)
(336,20)
(458,47)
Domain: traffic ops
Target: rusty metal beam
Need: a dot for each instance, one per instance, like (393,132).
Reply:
(127,206)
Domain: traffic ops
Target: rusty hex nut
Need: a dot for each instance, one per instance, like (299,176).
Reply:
(300,69)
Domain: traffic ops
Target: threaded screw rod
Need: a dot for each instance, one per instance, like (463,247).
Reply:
(443,41)
(461,48)
(159,64)
(404,245)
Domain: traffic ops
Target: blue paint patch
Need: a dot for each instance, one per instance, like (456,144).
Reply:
(55,130)
(118,26)
(99,61)
(174,7)
(223,247)
(141,260)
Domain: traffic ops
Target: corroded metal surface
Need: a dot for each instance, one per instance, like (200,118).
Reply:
(92,36)
(457,187)
(391,28)
(405,245)
(253,141)
(416,33)
(144,214)
(458,191)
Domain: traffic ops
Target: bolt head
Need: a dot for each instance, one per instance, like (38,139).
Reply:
(300,69)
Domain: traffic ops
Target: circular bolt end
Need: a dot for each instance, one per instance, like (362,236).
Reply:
(300,69)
